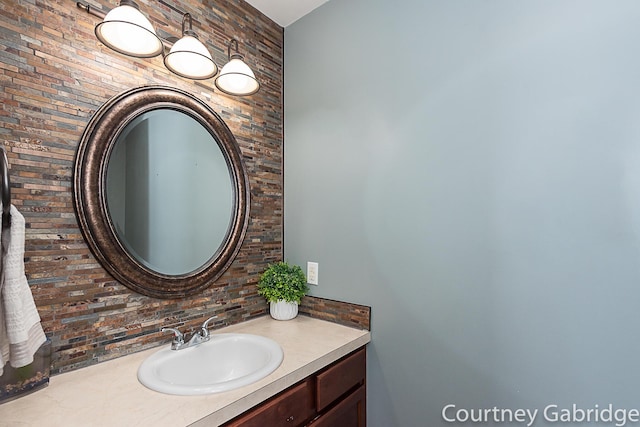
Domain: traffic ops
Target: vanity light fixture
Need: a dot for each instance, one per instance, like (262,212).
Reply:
(236,78)
(189,57)
(126,30)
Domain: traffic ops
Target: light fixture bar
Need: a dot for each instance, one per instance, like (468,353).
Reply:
(91,10)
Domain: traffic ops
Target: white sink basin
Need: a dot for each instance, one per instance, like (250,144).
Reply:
(225,362)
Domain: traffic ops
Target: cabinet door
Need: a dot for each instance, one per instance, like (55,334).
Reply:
(338,379)
(293,408)
(350,412)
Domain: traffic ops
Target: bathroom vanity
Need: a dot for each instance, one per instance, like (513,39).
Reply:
(322,375)
(334,396)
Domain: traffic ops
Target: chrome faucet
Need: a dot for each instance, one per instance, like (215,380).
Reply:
(198,337)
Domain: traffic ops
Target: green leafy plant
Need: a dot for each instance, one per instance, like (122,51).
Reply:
(282,281)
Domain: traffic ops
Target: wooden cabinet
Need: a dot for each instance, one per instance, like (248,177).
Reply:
(339,378)
(349,412)
(332,397)
(292,407)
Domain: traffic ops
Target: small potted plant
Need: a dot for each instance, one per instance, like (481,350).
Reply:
(283,286)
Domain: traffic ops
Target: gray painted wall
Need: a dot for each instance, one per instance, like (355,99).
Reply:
(471,170)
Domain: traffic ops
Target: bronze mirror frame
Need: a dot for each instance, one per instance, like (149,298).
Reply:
(90,201)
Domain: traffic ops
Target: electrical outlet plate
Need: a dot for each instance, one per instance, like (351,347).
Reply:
(312,273)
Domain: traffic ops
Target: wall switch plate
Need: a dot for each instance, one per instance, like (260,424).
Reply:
(312,273)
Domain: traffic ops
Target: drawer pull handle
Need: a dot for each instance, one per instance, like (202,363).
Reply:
(290,419)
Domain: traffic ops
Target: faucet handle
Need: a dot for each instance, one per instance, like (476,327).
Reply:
(178,337)
(204,332)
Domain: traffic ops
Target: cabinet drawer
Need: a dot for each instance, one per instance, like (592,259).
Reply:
(350,412)
(292,408)
(340,378)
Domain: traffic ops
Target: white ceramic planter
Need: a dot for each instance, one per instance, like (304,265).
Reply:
(283,310)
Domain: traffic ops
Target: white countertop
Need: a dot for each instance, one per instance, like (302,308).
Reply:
(109,394)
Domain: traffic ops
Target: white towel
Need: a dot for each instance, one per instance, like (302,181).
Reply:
(21,333)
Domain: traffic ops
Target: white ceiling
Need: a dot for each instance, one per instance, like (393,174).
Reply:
(285,12)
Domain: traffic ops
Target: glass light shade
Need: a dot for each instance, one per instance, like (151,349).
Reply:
(126,30)
(236,78)
(191,59)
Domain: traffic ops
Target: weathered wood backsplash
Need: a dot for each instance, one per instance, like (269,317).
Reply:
(54,74)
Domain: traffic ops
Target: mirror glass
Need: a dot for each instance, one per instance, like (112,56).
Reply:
(161,192)
(169,192)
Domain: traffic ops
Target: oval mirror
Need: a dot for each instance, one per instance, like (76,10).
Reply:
(160,191)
